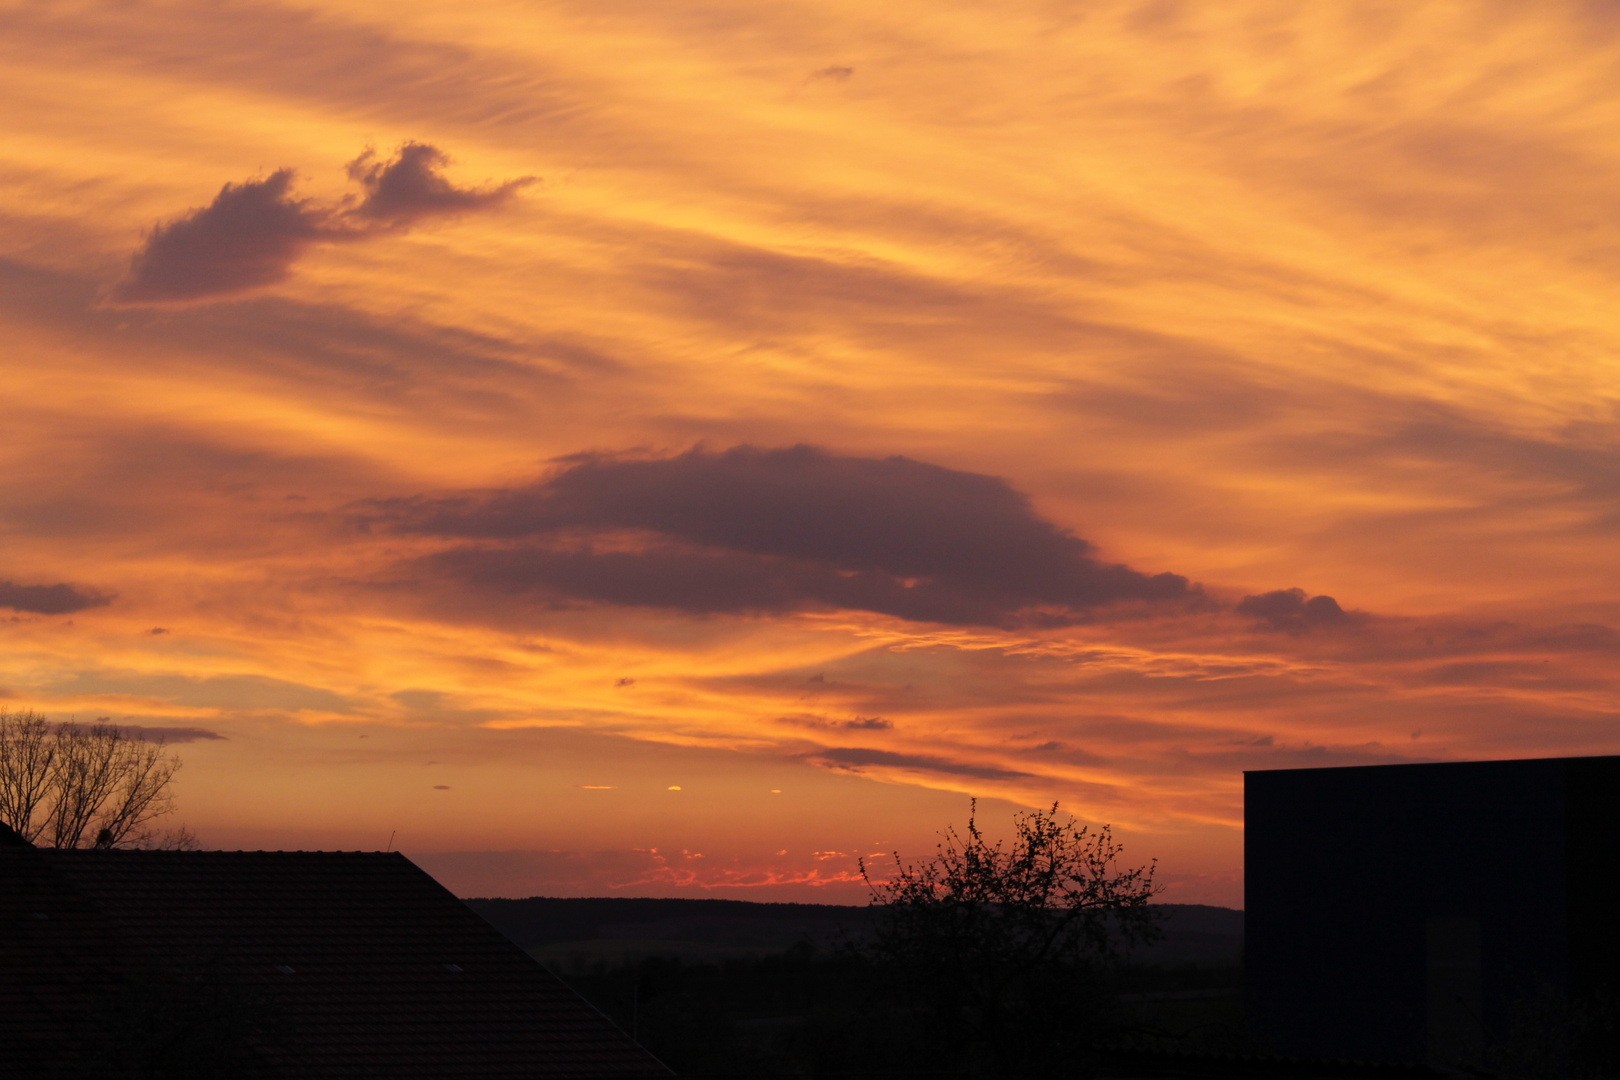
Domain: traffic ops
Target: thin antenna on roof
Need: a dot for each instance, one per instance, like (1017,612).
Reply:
(391,840)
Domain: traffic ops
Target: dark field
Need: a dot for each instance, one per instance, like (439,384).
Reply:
(731,989)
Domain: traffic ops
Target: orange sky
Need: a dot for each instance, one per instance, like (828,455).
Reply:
(451,492)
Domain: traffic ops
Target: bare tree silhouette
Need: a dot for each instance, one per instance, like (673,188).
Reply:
(74,785)
(1001,952)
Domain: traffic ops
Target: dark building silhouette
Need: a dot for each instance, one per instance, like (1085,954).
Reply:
(274,964)
(1414,913)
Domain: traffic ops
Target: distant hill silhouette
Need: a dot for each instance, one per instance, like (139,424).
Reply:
(617,929)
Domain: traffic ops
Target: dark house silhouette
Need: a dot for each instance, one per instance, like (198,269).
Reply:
(274,964)
(1414,913)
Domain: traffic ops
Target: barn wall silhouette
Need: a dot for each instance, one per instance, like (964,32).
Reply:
(1417,912)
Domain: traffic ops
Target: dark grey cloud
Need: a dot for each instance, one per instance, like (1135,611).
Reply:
(853,757)
(253,232)
(60,599)
(1290,610)
(177,734)
(163,733)
(772,530)
(248,237)
(408,187)
(859,723)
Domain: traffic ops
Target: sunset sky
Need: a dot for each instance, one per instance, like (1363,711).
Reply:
(678,449)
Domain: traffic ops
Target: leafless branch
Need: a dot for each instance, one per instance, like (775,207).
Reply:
(71,785)
(27,759)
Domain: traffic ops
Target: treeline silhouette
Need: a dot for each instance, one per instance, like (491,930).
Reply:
(724,989)
(988,960)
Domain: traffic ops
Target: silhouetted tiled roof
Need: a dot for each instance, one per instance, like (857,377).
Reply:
(59,968)
(327,964)
(1123,1064)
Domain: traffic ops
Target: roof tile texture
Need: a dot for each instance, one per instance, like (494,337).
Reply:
(347,964)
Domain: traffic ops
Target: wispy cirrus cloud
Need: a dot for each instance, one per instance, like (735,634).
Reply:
(1113,256)
(858,757)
